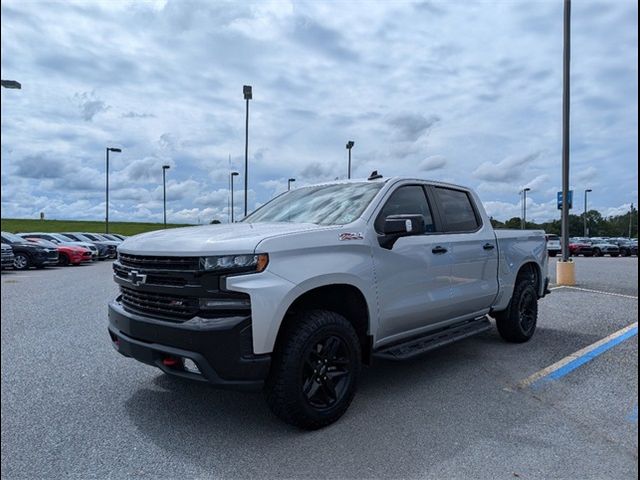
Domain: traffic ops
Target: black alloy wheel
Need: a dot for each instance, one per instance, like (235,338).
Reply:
(326,372)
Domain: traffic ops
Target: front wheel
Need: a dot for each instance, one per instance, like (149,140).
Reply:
(63,260)
(21,261)
(315,370)
(518,322)
(597,252)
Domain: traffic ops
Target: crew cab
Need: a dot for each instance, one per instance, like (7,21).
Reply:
(320,280)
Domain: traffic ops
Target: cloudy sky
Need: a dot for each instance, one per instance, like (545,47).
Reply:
(466,92)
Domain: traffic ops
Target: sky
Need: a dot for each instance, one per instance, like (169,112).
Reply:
(462,92)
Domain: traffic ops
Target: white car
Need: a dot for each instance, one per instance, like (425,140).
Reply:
(553,245)
(316,282)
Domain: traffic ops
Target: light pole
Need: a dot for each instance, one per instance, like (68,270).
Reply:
(116,150)
(350,145)
(523,224)
(630,220)
(164,192)
(566,96)
(248,95)
(11,84)
(233,174)
(289,183)
(586,230)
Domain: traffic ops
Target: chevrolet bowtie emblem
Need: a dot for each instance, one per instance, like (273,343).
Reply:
(136,278)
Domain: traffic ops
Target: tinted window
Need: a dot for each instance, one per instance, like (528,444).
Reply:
(409,200)
(457,210)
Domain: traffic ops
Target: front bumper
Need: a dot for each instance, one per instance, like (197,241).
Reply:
(221,348)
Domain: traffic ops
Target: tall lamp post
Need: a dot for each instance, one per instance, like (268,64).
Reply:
(233,174)
(586,229)
(248,95)
(523,224)
(164,192)
(350,145)
(115,150)
(289,183)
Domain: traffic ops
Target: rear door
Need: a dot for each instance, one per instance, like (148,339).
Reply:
(473,251)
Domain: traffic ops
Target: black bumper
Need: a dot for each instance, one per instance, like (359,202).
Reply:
(221,348)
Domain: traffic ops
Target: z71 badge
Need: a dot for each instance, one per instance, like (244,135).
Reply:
(351,236)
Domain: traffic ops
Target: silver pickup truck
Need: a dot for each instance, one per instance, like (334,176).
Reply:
(320,280)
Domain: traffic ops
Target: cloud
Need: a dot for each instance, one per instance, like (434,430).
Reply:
(506,170)
(436,162)
(411,126)
(131,114)
(39,166)
(89,105)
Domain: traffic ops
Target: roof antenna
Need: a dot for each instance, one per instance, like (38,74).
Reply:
(374,175)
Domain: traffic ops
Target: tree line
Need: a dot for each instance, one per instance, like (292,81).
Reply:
(598,226)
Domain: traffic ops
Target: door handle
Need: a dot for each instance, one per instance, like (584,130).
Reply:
(488,246)
(438,250)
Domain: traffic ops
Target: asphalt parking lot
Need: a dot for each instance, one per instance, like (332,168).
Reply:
(72,407)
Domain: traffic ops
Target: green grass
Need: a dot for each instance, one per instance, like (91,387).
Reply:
(17,225)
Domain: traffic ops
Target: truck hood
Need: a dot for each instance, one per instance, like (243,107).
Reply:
(221,239)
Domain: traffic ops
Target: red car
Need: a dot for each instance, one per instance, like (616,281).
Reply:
(580,248)
(67,254)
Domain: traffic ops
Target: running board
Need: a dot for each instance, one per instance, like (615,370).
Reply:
(433,340)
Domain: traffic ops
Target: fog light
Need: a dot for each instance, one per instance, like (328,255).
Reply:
(190,366)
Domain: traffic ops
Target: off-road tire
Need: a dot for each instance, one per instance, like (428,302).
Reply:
(518,322)
(294,363)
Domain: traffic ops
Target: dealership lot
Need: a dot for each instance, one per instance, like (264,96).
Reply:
(73,407)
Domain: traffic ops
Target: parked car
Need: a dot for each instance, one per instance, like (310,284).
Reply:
(28,254)
(59,239)
(67,254)
(553,245)
(603,247)
(627,247)
(95,238)
(112,237)
(7,256)
(580,247)
(320,279)
(103,249)
(118,236)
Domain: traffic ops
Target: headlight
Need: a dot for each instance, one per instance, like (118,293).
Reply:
(235,263)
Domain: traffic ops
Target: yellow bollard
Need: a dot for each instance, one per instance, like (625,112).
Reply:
(566,273)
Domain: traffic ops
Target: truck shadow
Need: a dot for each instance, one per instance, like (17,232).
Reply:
(406,417)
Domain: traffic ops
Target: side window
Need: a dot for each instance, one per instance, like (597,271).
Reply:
(457,210)
(409,200)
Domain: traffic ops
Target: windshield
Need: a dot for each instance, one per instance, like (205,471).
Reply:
(335,204)
(92,237)
(13,238)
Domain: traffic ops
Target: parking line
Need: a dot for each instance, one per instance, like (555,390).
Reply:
(575,360)
(589,290)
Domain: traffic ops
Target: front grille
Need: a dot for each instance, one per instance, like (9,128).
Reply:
(160,263)
(159,304)
(161,280)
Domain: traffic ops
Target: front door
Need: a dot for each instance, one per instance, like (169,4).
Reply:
(413,275)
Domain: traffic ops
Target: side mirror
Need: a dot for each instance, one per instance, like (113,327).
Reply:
(404,225)
(397,226)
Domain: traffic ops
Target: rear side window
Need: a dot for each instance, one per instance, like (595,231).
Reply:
(457,210)
(409,200)
(552,238)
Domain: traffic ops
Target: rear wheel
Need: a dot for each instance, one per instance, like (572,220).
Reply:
(518,322)
(314,371)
